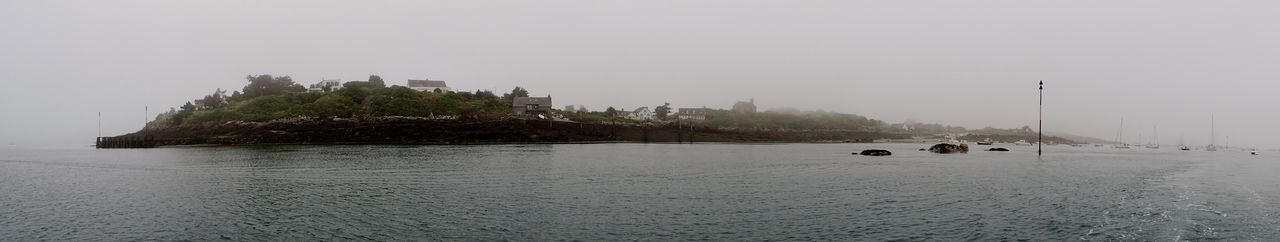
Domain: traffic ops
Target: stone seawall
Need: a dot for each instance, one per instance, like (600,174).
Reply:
(407,130)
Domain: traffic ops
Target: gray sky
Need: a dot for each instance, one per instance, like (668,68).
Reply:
(967,63)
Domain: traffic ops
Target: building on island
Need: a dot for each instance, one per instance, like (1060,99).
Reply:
(532,107)
(641,114)
(425,85)
(621,112)
(325,86)
(692,113)
(745,107)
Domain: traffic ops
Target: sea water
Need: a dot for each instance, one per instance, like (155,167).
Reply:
(634,192)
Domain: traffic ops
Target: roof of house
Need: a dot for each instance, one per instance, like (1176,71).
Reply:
(426,83)
(641,109)
(693,110)
(522,101)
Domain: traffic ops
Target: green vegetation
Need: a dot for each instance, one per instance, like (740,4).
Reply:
(268,97)
(609,116)
(775,120)
(726,119)
(913,127)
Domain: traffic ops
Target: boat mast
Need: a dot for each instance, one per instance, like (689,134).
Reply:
(1155,136)
(1120,135)
(1212,135)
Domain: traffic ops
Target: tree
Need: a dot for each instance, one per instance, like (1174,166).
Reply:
(355,92)
(397,101)
(360,84)
(517,92)
(377,81)
(480,94)
(266,85)
(186,111)
(611,112)
(662,111)
(211,101)
(331,105)
(583,109)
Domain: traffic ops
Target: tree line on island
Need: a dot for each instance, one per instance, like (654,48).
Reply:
(267,97)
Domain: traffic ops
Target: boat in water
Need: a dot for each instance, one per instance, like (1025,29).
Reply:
(1211,146)
(1182,145)
(1021,143)
(986,142)
(1120,137)
(1155,139)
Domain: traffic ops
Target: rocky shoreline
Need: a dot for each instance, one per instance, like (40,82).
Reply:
(417,130)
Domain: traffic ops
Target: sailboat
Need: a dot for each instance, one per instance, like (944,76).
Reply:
(1120,137)
(1182,145)
(1155,140)
(1211,147)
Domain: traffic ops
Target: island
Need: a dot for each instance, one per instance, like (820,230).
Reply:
(276,110)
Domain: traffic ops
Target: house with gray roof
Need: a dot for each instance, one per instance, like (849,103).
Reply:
(531,107)
(428,86)
(745,107)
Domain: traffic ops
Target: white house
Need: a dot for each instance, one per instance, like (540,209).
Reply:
(428,85)
(692,113)
(642,114)
(325,84)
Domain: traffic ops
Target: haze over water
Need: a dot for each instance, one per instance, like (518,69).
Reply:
(74,70)
(1170,64)
(633,192)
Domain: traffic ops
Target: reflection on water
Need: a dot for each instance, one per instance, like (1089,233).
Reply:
(632,192)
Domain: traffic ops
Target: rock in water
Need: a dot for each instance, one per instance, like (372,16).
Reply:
(949,148)
(997,149)
(875,152)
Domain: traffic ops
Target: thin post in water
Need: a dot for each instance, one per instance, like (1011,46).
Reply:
(1040,138)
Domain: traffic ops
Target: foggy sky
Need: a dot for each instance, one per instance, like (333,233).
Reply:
(966,63)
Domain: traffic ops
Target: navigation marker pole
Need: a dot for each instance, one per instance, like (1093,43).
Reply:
(1040,139)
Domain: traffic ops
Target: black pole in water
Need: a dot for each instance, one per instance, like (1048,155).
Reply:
(1040,139)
